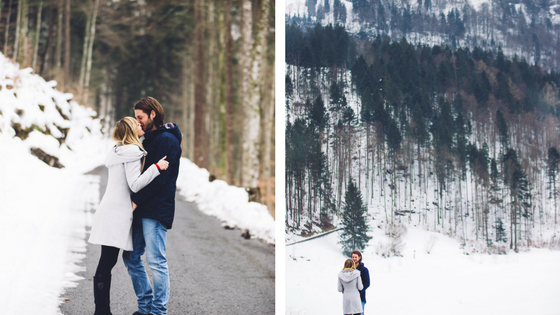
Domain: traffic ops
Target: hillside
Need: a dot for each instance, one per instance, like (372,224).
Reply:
(526,28)
(459,141)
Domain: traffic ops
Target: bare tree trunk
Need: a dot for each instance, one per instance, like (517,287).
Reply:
(106,103)
(7,31)
(555,202)
(459,204)
(230,168)
(245,77)
(188,107)
(58,52)
(512,236)
(84,54)
(200,135)
(25,34)
(5,28)
(37,32)
(66,79)
(90,53)
(289,198)
(515,223)
(18,23)
(213,89)
(251,144)
(46,64)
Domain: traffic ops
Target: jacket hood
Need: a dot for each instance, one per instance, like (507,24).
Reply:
(169,127)
(348,275)
(124,153)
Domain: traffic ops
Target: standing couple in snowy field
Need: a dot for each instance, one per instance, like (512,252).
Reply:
(353,281)
(138,207)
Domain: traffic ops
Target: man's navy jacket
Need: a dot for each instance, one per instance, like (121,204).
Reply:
(365,280)
(157,200)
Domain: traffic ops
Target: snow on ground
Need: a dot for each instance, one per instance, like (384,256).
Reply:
(228,203)
(446,281)
(477,4)
(44,211)
(42,229)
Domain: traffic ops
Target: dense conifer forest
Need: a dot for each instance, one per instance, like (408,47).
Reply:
(458,140)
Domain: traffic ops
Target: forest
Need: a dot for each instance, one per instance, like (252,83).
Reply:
(209,63)
(528,28)
(460,141)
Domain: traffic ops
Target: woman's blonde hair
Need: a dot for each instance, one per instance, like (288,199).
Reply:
(126,131)
(349,264)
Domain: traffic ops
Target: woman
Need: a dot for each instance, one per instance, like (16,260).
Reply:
(357,258)
(112,223)
(349,282)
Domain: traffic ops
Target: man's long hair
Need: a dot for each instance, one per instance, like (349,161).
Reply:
(149,104)
(357,252)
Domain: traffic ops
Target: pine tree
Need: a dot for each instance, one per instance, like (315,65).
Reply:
(502,129)
(318,113)
(501,234)
(327,195)
(337,96)
(553,161)
(354,234)
(518,184)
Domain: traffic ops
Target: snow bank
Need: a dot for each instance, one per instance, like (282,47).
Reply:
(28,102)
(42,229)
(42,226)
(228,203)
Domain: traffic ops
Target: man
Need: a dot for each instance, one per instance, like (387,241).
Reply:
(154,210)
(357,258)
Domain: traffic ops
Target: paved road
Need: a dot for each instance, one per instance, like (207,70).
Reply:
(212,270)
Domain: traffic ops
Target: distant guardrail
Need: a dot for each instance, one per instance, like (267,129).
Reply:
(314,237)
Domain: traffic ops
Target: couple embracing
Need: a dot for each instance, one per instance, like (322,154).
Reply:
(138,207)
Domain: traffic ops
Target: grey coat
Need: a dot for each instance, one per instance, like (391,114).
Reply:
(113,218)
(349,282)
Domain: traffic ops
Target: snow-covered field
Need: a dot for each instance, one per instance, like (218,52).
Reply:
(43,215)
(446,281)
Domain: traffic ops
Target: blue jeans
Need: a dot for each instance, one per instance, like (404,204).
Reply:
(149,236)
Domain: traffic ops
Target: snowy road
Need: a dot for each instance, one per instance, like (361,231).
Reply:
(212,270)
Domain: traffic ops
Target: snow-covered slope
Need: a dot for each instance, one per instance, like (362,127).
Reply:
(458,210)
(300,8)
(442,282)
(527,29)
(42,223)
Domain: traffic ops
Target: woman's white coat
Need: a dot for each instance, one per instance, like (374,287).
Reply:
(349,283)
(112,223)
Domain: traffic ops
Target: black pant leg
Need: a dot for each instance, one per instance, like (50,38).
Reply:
(107,261)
